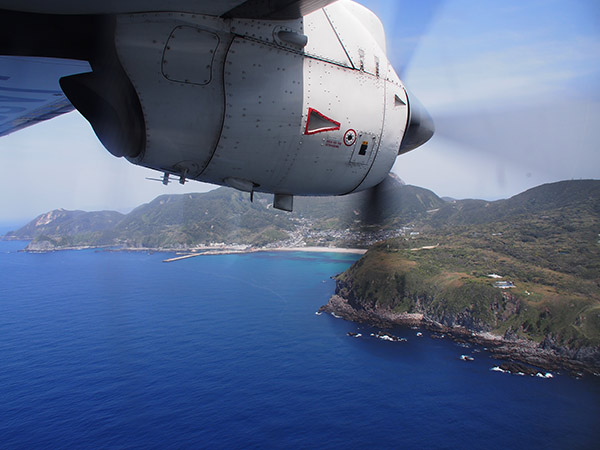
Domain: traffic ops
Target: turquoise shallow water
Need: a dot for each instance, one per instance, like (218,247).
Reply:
(120,350)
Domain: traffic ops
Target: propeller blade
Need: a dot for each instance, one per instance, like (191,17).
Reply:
(525,136)
(380,202)
(394,15)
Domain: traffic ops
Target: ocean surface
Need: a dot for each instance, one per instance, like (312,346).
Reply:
(120,350)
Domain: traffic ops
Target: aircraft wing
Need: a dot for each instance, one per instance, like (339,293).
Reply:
(29,90)
(241,9)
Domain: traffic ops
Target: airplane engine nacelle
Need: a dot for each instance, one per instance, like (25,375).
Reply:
(306,107)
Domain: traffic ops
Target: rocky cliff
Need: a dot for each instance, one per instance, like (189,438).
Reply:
(462,288)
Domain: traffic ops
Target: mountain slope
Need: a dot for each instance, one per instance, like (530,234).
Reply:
(222,215)
(552,226)
(576,197)
(400,205)
(544,245)
(60,222)
(225,215)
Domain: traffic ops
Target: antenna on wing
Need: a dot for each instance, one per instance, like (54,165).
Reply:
(165,179)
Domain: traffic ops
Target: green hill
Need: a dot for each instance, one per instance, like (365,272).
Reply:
(62,222)
(581,197)
(227,216)
(222,215)
(61,228)
(545,242)
(396,204)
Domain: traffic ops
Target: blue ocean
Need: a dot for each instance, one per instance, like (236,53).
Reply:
(104,349)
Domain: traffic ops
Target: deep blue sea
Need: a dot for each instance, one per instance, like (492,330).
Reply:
(120,350)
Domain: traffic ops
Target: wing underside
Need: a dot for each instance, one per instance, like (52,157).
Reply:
(29,90)
(242,9)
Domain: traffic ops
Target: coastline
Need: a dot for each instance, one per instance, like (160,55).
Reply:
(511,350)
(543,355)
(356,251)
(185,253)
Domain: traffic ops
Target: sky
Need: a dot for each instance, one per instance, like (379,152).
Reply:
(513,88)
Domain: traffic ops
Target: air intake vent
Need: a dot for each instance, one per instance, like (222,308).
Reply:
(318,123)
(398,101)
(296,39)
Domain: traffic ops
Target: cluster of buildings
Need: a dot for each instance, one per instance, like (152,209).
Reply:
(501,284)
(305,234)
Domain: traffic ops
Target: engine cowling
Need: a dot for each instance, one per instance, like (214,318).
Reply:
(302,107)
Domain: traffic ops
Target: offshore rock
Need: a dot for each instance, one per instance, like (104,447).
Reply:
(41,246)
(546,355)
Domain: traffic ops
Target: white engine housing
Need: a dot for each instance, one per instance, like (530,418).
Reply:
(303,107)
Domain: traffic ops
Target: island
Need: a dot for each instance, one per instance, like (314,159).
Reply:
(520,276)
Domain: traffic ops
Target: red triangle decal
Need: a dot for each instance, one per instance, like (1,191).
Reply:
(318,123)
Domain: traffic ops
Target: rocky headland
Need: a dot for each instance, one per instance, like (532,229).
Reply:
(547,355)
(520,276)
(500,320)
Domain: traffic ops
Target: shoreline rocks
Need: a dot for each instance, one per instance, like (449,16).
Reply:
(511,350)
